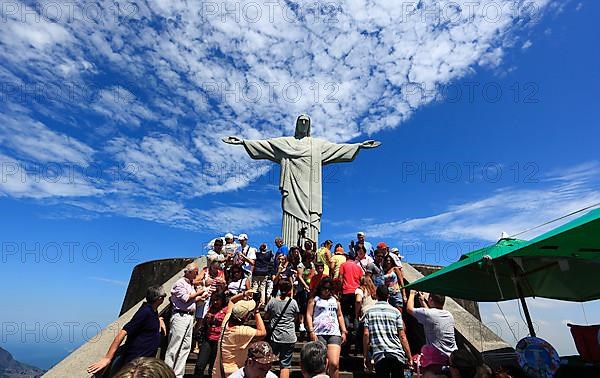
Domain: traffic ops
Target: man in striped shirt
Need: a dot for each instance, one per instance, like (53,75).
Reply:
(384,332)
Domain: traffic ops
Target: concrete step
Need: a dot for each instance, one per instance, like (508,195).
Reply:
(295,372)
(349,366)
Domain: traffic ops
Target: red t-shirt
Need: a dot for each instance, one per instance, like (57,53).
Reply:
(352,274)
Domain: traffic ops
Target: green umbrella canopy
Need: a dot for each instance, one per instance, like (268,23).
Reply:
(563,263)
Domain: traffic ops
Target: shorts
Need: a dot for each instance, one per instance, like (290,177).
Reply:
(284,351)
(330,339)
(431,355)
(396,299)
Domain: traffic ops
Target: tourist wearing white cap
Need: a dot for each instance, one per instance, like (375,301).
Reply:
(216,253)
(245,255)
(229,250)
(230,245)
(395,254)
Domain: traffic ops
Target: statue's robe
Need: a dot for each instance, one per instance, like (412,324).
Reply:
(301,178)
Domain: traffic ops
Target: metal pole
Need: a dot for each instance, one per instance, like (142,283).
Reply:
(516,280)
(525,310)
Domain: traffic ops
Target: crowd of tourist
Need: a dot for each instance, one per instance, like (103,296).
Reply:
(244,311)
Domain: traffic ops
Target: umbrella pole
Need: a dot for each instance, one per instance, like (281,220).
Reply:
(522,298)
(525,311)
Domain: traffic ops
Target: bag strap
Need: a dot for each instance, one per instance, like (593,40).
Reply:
(270,333)
(242,280)
(362,267)
(224,327)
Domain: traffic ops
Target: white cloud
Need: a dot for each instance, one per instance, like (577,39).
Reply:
(154,86)
(296,60)
(23,180)
(35,140)
(527,44)
(250,217)
(507,209)
(120,105)
(24,26)
(110,281)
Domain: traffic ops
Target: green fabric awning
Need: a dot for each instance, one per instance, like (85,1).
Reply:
(563,263)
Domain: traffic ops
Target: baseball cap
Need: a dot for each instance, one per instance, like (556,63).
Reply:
(243,237)
(228,235)
(360,233)
(396,259)
(381,245)
(261,352)
(242,308)
(397,252)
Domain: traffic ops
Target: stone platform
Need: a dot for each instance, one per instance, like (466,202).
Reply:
(469,329)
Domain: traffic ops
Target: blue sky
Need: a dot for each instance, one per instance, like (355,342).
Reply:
(111,116)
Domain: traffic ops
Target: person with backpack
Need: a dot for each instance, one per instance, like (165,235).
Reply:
(283,310)
(262,281)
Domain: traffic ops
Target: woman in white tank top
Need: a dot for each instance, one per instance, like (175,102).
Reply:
(326,323)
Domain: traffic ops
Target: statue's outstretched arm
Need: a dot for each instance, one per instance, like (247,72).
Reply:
(370,144)
(233,140)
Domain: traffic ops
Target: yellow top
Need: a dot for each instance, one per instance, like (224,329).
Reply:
(320,258)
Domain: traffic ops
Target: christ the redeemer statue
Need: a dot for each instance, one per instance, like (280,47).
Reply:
(301,158)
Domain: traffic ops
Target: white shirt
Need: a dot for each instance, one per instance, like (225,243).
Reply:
(230,248)
(214,255)
(396,259)
(249,252)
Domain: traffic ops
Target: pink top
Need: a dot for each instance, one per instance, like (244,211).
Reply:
(214,322)
(180,295)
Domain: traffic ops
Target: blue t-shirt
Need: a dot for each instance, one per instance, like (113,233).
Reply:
(143,334)
(283,250)
(370,249)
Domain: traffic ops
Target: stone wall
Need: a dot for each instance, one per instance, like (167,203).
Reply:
(148,274)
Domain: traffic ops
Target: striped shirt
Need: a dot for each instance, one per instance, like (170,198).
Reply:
(384,323)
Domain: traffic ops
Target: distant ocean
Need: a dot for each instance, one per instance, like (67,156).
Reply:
(40,355)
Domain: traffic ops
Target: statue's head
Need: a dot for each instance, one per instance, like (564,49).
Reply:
(302,126)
